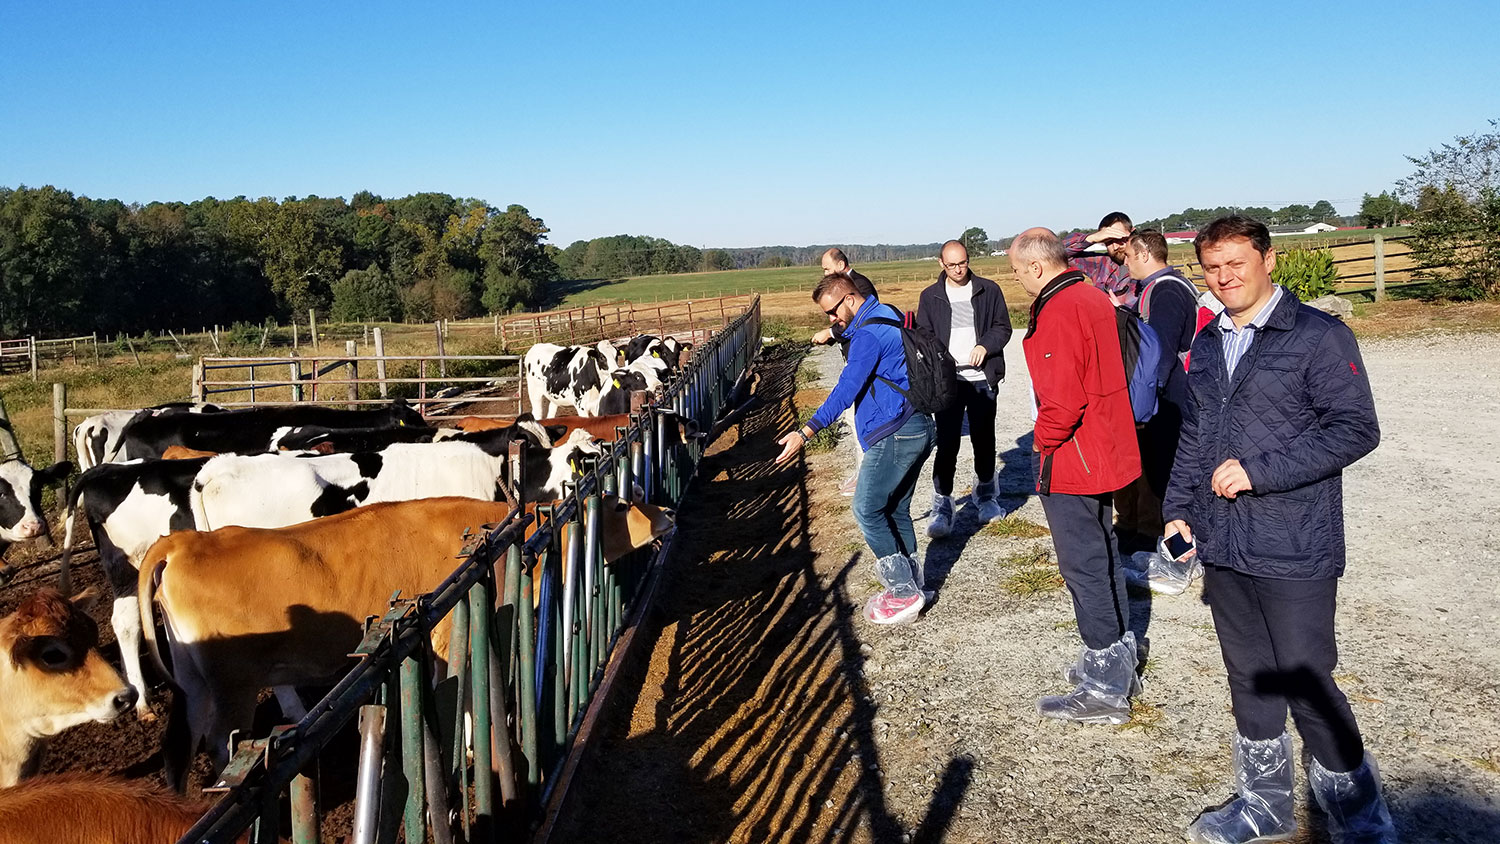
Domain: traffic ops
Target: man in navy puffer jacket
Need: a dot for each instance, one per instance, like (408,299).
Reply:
(1279,403)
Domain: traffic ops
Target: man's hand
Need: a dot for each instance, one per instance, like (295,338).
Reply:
(790,445)
(824,337)
(1110,232)
(1177,526)
(976,356)
(1230,479)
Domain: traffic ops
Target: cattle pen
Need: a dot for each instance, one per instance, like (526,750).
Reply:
(540,626)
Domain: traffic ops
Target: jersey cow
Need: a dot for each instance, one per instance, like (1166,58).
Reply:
(248,431)
(247,608)
(584,377)
(21,516)
(81,808)
(52,677)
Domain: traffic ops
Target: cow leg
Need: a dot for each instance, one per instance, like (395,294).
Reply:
(125,620)
(292,707)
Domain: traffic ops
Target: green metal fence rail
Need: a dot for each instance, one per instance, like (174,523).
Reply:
(534,623)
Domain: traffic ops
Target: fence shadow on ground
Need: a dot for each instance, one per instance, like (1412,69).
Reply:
(752,721)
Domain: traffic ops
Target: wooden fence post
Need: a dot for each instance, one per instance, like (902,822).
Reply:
(294,335)
(33,358)
(198,375)
(1379,267)
(442,364)
(60,432)
(96,348)
(10,447)
(380,360)
(312,327)
(295,370)
(351,350)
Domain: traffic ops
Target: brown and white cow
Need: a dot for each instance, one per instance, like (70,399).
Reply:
(603,428)
(51,678)
(82,808)
(247,608)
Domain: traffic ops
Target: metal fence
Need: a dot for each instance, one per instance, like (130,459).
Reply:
(539,627)
(689,320)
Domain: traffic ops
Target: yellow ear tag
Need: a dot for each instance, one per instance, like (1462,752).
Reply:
(573,464)
(618,386)
(656,353)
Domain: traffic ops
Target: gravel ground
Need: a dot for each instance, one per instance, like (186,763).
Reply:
(957,738)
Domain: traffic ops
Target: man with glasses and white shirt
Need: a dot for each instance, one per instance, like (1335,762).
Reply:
(968,313)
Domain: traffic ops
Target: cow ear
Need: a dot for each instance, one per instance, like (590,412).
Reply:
(56,472)
(86,600)
(555,432)
(618,385)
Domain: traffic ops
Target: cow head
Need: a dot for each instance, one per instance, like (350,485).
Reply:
(616,396)
(21,498)
(629,525)
(52,674)
(404,414)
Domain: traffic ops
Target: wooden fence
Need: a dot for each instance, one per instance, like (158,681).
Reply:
(692,320)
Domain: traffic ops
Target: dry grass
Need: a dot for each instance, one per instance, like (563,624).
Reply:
(1143,716)
(1015,527)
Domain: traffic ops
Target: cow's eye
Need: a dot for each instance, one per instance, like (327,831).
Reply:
(54,657)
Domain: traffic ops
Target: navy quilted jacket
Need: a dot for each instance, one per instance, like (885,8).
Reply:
(1297,411)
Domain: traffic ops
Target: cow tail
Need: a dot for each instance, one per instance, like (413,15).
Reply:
(65,562)
(150,581)
(195,503)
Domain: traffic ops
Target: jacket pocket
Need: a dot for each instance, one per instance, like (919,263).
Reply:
(1279,526)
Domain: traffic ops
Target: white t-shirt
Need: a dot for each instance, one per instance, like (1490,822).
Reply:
(961,333)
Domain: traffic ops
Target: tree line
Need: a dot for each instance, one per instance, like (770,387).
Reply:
(72,264)
(1190,219)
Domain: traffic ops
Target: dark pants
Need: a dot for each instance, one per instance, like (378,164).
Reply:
(1279,650)
(978,403)
(1083,535)
(1139,503)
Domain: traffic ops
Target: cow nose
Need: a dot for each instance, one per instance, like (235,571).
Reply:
(124,700)
(29,529)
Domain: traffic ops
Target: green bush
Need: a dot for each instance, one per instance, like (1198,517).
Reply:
(1309,273)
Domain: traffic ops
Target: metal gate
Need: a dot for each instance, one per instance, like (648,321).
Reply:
(536,619)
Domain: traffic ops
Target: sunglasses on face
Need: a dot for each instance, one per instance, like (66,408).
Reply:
(834,311)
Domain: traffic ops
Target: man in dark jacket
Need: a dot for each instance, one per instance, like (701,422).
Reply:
(1279,403)
(968,313)
(1169,304)
(1085,442)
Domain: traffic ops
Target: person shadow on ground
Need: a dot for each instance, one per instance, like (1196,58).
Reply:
(1014,472)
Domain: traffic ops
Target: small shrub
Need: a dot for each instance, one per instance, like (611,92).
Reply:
(824,440)
(1029,582)
(1309,273)
(1015,527)
(1143,716)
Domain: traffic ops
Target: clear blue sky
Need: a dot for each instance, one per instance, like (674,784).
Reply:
(750,123)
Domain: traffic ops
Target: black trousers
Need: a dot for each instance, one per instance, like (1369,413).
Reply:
(1139,503)
(979,405)
(1278,646)
(1083,535)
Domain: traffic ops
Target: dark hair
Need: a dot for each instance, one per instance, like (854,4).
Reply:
(1150,241)
(1232,226)
(1116,217)
(838,284)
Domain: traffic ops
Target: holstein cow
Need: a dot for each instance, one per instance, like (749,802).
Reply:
(51,678)
(232,489)
(248,431)
(21,516)
(96,438)
(581,376)
(82,808)
(247,608)
(128,506)
(668,350)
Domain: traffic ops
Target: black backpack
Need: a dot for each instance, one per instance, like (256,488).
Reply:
(929,367)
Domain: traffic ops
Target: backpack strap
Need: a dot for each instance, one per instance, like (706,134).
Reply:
(905,323)
(1145,301)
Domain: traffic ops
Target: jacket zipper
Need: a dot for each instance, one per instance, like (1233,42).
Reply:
(1080,456)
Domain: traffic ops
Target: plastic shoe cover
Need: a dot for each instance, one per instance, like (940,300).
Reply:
(942,516)
(886,608)
(846,487)
(1106,678)
(1263,809)
(1151,570)
(1070,675)
(987,496)
(898,575)
(1355,806)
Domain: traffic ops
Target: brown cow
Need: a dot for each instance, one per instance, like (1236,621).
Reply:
(603,428)
(51,678)
(247,608)
(93,809)
(182,452)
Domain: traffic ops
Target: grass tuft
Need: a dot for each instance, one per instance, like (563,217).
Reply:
(1015,527)
(1036,555)
(1144,716)
(824,440)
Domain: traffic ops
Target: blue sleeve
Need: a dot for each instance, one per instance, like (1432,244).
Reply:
(1345,430)
(1173,317)
(1187,473)
(864,353)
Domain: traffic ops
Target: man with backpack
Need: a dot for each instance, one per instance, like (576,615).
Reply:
(1085,444)
(895,435)
(967,312)
(835,261)
(1169,304)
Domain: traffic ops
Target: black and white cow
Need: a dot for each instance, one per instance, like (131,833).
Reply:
(128,506)
(668,350)
(248,431)
(231,488)
(568,375)
(97,438)
(343,440)
(21,516)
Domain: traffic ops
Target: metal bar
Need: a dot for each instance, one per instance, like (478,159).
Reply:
(479,655)
(526,643)
(304,810)
(458,671)
(411,748)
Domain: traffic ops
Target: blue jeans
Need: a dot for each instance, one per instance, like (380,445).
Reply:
(887,477)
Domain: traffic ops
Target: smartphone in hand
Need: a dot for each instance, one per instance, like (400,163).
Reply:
(1177,549)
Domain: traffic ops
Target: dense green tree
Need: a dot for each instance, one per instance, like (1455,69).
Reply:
(717,259)
(1456,190)
(1323,211)
(976,241)
(366,295)
(1383,211)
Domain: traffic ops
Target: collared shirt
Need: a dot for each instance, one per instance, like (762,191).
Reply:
(1236,341)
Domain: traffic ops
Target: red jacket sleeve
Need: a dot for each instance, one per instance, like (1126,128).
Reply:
(1060,366)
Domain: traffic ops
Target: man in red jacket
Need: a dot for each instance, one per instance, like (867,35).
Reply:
(1086,449)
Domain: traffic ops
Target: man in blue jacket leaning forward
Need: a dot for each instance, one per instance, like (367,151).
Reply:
(1279,403)
(895,437)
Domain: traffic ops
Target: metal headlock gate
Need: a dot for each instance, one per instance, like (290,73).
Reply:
(527,654)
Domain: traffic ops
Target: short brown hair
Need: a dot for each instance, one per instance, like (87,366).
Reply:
(837,284)
(1151,242)
(1232,226)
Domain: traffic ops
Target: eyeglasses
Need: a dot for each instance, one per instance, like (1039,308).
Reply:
(834,311)
(963,263)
